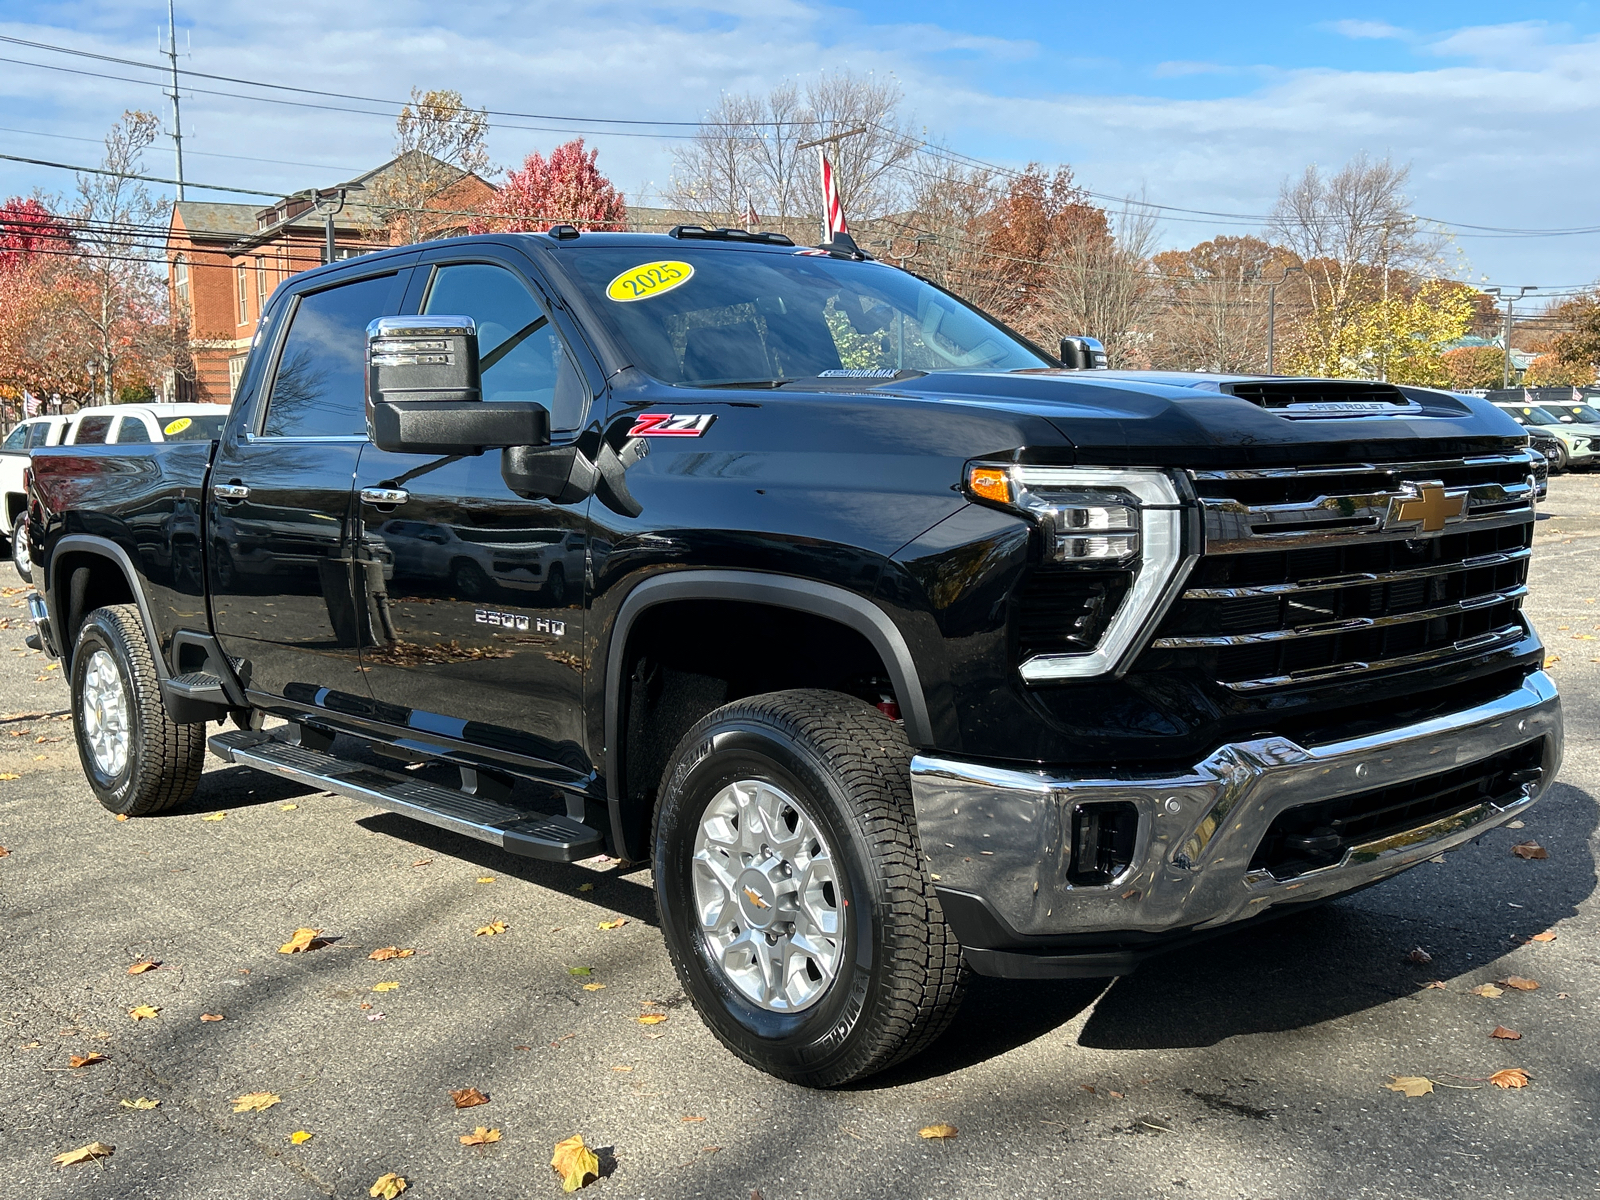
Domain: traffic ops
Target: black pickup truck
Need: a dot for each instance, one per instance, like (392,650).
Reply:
(898,645)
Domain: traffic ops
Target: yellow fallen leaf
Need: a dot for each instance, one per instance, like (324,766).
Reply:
(83,1154)
(302,941)
(144,1012)
(489,930)
(255,1101)
(217,816)
(1549,935)
(8,775)
(586,887)
(486,879)
(1411,1085)
(1487,990)
(388,1187)
(480,1137)
(85,1060)
(617,924)
(1521,984)
(468,1097)
(1511,1077)
(143,965)
(387,952)
(937,1131)
(140,1103)
(594,987)
(118,817)
(574,1162)
(387,985)
(300,1137)
(289,808)
(652,1018)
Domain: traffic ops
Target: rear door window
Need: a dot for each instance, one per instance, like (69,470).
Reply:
(132,430)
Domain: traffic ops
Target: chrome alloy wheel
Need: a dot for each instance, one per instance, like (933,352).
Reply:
(105,714)
(768,896)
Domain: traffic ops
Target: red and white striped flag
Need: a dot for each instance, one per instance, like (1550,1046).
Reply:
(30,404)
(1577,396)
(832,210)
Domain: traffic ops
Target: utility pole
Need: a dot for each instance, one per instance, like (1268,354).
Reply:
(1501,293)
(818,143)
(177,120)
(1272,312)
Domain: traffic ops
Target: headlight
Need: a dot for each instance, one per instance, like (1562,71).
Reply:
(1128,520)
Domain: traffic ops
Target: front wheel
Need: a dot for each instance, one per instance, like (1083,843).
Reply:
(1559,458)
(793,898)
(136,758)
(21,557)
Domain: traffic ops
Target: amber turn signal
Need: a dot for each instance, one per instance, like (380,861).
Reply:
(990,483)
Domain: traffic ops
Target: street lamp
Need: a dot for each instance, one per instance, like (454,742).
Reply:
(330,204)
(1511,303)
(1272,311)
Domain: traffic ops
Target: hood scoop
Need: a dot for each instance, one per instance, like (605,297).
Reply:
(1323,398)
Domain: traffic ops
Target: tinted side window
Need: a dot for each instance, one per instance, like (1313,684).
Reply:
(41,433)
(132,430)
(92,431)
(320,386)
(16,440)
(521,355)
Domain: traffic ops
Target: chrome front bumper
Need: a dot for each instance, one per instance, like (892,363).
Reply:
(1003,837)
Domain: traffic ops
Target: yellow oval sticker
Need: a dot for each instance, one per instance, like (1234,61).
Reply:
(178,426)
(651,279)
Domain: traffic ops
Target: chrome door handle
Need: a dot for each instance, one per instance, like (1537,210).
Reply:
(233,492)
(383,495)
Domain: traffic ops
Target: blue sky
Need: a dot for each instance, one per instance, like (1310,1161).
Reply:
(1195,106)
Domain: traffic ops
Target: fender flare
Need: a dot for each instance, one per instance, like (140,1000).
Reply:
(826,600)
(104,548)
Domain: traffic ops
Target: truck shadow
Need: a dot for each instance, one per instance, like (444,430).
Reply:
(1302,970)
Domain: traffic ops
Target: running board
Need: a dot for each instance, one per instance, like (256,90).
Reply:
(533,835)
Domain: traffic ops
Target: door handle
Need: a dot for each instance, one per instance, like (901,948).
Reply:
(384,496)
(231,492)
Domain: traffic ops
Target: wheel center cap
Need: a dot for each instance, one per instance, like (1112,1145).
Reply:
(757,900)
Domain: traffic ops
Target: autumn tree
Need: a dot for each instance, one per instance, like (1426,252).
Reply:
(567,188)
(1102,285)
(27,229)
(1550,370)
(1213,308)
(439,141)
(1469,367)
(1577,343)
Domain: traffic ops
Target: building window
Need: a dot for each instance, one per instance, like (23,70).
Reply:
(244,310)
(180,280)
(261,285)
(236,371)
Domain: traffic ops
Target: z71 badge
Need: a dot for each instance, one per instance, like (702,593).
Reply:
(671,424)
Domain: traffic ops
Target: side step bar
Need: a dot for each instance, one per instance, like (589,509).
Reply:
(551,838)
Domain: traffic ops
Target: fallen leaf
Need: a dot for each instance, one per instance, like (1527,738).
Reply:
(489,930)
(9,775)
(652,1018)
(388,1187)
(141,1103)
(287,808)
(387,985)
(586,887)
(1487,989)
(303,940)
(1515,825)
(143,965)
(1437,983)
(118,817)
(692,1120)
(1118,1096)
(211,1016)
(422,862)
(594,987)
(486,879)
(85,1060)
(255,1101)
(574,1162)
(622,1068)
(617,924)
(1530,850)
(1419,955)
(217,816)
(4,852)
(468,1097)
(1509,1035)
(388,952)
(480,1137)
(376,1016)
(144,1012)
(1412,1085)
(1511,1077)
(938,1131)
(300,1137)
(1518,982)
(580,970)
(1549,935)
(83,1154)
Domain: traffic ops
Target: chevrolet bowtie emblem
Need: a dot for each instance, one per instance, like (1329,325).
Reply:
(1427,504)
(755,898)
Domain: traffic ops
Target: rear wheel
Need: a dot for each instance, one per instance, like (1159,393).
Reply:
(137,760)
(793,898)
(469,581)
(21,558)
(555,585)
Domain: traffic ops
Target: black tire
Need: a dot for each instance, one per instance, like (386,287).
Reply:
(900,975)
(163,759)
(1559,458)
(555,585)
(468,580)
(21,557)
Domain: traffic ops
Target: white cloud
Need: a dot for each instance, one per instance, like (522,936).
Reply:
(1370,30)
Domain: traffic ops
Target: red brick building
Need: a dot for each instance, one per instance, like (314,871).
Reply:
(225,260)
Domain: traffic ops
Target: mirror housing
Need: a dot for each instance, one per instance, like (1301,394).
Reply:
(424,394)
(1083,354)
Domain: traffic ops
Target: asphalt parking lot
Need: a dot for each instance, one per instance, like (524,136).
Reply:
(1254,1065)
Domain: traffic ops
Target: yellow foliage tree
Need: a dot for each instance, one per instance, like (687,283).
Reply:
(1401,338)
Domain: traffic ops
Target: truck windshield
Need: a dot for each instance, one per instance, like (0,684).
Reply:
(1532,416)
(728,315)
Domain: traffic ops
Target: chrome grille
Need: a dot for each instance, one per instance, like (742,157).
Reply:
(1325,572)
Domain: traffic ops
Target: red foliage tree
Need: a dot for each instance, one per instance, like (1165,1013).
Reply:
(26,226)
(566,188)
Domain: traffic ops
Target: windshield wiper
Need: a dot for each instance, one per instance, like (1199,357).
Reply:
(746,383)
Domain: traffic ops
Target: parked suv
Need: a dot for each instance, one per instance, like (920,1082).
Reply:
(1579,444)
